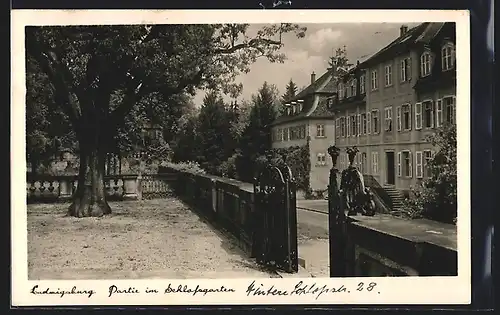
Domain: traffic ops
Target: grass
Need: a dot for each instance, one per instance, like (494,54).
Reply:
(142,239)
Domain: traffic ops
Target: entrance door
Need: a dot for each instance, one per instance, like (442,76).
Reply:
(391,179)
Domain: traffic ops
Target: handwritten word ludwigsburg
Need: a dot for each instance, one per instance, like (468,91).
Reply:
(299,289)
(186,289)
(62,293)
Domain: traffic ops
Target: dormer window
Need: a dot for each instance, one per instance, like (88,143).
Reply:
(425,64)
(447,56)
(353,87)
(341,91)
(300,105)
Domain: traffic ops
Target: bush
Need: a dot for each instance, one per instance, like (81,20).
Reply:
(435,197)
(192,167)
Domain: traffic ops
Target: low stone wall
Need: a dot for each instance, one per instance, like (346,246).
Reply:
(388,246)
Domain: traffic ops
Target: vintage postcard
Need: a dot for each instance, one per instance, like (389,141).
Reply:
(274,156)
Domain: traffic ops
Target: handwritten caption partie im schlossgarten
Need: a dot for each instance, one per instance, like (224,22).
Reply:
(253,289)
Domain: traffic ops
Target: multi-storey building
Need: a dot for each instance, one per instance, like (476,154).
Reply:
(308,120)
(388,104)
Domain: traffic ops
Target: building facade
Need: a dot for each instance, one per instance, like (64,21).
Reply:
(307,120)
(392,101)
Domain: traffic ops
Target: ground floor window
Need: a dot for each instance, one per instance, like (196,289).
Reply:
(404,164)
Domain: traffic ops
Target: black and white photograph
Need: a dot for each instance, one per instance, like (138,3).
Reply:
(244,157)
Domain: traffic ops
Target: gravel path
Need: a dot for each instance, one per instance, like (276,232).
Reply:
(141,239)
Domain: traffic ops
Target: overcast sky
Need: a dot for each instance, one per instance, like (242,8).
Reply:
(312,52)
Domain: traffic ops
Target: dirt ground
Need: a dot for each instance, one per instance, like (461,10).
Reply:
(141,239)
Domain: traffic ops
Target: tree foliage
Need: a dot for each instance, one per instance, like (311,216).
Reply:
(290,91)
(256,138)
(436,197)
(47,128)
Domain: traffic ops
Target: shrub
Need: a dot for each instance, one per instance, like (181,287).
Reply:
(436,196)
(189,166)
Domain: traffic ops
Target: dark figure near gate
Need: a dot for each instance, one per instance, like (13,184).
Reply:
(357,198)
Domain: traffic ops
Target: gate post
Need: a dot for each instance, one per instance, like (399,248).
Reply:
(336,221)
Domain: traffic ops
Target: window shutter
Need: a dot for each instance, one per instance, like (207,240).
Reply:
(398,118)
(358,124)
(408,71)
(368,122)
(376,162)
(348,118)
(418,163)
(418,116)
(337,128)
(410,171)
(439,113)
(409,118)
(399,164)
(454,107)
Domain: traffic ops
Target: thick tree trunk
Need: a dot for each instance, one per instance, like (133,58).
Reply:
(90,196)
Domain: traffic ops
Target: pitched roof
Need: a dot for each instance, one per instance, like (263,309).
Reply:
(422,33)
(322,85)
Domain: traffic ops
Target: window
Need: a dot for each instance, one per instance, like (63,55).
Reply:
(418,116)
(280,134)
(388,75)
(428,155)
(337,127)
(342,127)
(287,134)
(439,113)
(364,124)
(428,115)
(404,117)
(320,130)
(353,87)
(374,80)
(405,70)
(341,91)
(321,159)
(404,164)
(447,57)
(375,121)
(388,119)
(425,64)
(449,107)
(374,163)
(354,131)
(362,84)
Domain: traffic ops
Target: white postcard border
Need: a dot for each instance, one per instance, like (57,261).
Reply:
(405,290)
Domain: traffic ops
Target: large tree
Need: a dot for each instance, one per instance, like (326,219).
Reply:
(100,73)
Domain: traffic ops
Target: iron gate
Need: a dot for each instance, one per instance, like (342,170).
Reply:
(275,230)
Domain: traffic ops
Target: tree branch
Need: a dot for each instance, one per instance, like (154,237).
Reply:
(253,43)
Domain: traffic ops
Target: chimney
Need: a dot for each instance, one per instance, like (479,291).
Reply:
(403,29)
(313,77)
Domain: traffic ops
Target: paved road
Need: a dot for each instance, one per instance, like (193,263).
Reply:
(313,241)
(317,205)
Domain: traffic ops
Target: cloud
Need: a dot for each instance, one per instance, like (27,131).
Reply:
(323,37)
(311,53)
